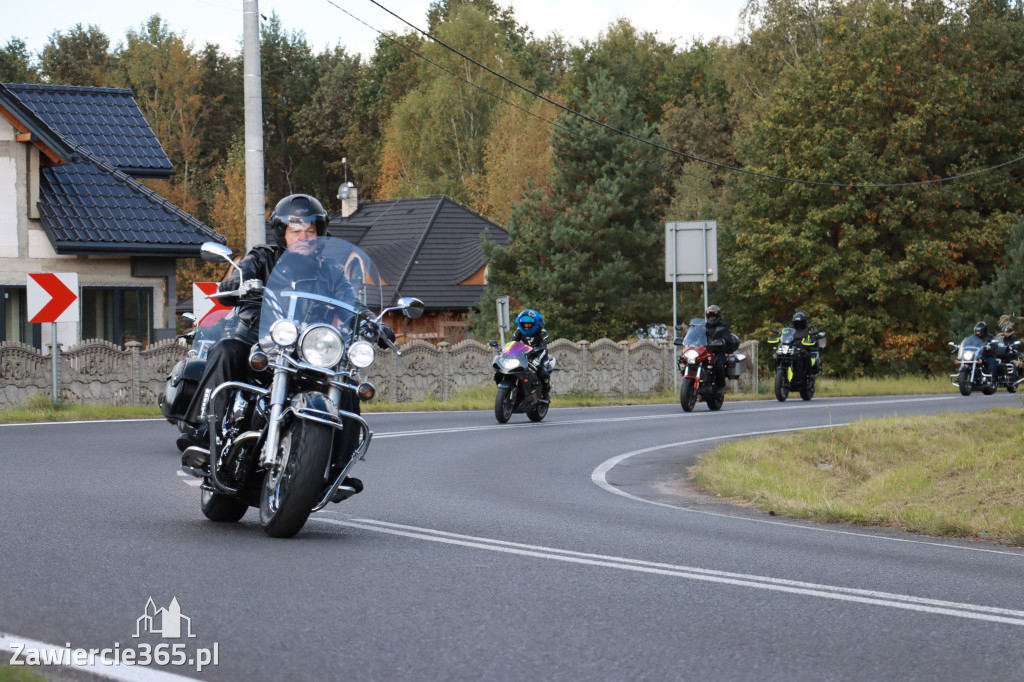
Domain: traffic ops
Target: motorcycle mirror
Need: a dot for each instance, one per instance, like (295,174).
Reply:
(952,345)
(189,317)
(411,307)
(677,342)
(212,252)
(492,343)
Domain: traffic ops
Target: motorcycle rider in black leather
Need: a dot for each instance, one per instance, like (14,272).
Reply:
(296,218)
(530,330)
(718,330)
(803,329)
(991,363)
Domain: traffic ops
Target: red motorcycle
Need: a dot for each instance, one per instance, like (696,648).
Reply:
(697,365)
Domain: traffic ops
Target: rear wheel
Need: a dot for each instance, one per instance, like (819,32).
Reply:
(220,507)
(688,395)
(537,412)
(807,392)
(716,401)
(503,405)
(290,491)
(781,391)
(963,381)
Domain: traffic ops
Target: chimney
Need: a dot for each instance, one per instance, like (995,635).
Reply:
(349,196)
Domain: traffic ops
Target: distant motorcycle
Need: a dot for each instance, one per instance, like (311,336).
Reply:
(790,351)
(519,385)
(696,364)
(970,358)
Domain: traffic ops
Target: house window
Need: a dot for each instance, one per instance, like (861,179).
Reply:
(14,324)
(117,314)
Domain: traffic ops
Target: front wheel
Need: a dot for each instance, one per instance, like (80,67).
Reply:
(220,507)
(963,381)
(688,395)
(503,404)
(781,391)
(295,483)
(807,392)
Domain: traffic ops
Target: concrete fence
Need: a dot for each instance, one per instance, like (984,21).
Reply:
(98,372)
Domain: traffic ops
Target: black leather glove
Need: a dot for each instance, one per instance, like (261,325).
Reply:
(385,333)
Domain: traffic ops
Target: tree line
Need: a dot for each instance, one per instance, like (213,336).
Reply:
(836,142)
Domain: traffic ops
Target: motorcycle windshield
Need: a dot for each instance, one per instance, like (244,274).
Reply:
(696,335)
(321,281)
(217,325)
(515,348)
(788,334)
(971,349)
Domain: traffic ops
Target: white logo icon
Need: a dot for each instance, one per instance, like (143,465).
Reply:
(164,622)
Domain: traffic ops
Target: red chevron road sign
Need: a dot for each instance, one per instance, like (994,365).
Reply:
(53,297)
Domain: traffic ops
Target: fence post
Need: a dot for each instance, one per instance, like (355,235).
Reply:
(625,367)
(443,346)
(583,374)
(136,388)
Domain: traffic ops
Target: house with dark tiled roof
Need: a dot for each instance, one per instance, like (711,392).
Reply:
(429,248)
(71,200)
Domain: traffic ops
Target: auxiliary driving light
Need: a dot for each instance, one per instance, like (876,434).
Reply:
(366,391)
(259,360)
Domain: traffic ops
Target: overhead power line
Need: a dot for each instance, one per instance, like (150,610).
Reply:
(692,157)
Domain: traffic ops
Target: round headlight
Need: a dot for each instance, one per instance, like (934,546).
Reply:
(691,355)
(322,346)
(284,332)
(968,355)
(361,354)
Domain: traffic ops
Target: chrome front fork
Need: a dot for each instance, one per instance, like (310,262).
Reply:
(278,394)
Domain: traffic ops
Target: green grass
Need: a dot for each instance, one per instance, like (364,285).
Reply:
(956,475)
(40,408)
(17,674)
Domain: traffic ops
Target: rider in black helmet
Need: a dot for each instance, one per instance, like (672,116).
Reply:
(718,330)
(802,325)
(297,220)
(991,363)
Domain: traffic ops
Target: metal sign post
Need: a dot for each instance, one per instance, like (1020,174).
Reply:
(691,255)
(503,321)
(53,297)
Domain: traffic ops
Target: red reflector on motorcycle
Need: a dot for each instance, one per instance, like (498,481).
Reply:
(366,391)
(259,361)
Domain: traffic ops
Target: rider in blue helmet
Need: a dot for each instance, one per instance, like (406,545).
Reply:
(530,330)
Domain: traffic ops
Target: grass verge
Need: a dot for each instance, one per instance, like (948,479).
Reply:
(955,475)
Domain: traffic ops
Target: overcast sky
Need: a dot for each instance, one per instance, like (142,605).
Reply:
(220,21)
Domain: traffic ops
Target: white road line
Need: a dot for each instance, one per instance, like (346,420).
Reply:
(871,597)
(128,673)
(608,420)
(598,477)
(189,479)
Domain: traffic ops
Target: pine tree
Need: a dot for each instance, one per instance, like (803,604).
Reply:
(588,251)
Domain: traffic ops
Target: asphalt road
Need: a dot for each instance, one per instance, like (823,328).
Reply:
(567,550)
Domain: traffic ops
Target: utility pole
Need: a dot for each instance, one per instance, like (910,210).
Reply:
(255,200)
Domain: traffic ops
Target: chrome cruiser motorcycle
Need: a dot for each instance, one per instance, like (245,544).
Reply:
(285,439)
(970,360)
